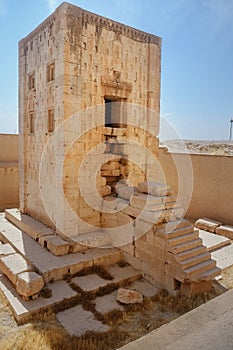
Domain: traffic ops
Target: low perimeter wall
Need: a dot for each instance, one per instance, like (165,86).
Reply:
(9,172)
(212,194)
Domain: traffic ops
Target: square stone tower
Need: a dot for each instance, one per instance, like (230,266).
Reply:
(84,82)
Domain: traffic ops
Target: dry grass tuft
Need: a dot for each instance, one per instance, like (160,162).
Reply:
(98,269)
(46,293)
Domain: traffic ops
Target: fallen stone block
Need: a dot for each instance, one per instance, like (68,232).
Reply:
(125,192)
(226,231)
(29,284)
(126,296)
(208,224)
(6,249)
(154,188)
(12,265)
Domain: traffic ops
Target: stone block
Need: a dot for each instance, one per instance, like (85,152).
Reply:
(226,231)
(193,289)
(154,188)
(12,265)
(29,283)
(126,296)
(111,165)
(147,202)
(6,249)
(55,244)
(105,191)
(125,192)
(208,224)
(108,173)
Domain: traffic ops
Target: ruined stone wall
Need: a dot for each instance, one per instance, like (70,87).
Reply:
(77,60)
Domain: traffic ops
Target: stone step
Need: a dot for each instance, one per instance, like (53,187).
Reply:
(175,233)
(208,275)
(199,269)
(183,239)
(179,248)
(98,239)
(173,225)
(187,254)
(195,260)
(53,267)
(121,276)
(46,236)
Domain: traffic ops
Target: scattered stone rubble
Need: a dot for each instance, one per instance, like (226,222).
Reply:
(215,227)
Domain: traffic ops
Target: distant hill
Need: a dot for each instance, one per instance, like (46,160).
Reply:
(222,148)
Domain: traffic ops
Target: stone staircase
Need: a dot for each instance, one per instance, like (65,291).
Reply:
(188,259)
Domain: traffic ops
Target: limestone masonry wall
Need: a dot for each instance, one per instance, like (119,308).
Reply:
(211,196)
(9,172)
(73,61)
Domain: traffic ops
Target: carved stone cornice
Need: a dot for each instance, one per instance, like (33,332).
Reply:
(99,21)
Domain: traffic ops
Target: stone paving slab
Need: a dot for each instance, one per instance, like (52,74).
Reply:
(24,309)
(224,257)
(92,282)
(108,303)
(213,241)
(78,321)
(144,288)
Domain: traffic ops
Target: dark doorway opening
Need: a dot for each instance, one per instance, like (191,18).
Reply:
(114,116)
(108,112)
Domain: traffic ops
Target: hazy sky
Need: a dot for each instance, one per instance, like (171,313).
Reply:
(197,56)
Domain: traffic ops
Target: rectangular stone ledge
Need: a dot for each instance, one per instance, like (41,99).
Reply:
(154,188)
(226,231)
(12,265)
(6,249)
(56,245)
(208,224)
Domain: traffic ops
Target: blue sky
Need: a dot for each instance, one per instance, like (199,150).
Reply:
(197,56)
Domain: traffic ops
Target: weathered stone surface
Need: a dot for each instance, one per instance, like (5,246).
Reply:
(6,249)
(29,283)
(213,241)
(147,202)
(193,289)
(154,188)
(125,192)
(12,265)
(78,321)
(208,224)
(225,230)
(108,303)
(55,244)
(23,309)
(126,296)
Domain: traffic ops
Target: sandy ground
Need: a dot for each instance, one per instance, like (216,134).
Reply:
(221,148)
